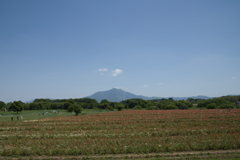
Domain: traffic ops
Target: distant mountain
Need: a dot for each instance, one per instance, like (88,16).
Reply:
(114,95)
(233,95)
(36,98)
(117,95)
(29,101)
(194,97)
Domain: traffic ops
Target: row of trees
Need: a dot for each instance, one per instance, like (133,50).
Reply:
(221,103)
(157,104)
(16,106)
(78,104)
(192,100)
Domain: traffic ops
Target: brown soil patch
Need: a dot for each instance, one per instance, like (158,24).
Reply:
(169,155)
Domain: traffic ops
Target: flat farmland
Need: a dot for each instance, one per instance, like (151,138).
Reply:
(123,132)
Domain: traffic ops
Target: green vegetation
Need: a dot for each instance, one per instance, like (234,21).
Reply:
(154,104)
(2,105)
(16,106)
(75,108)
(211,106)
(221,103)
(126,132)
(31,115)
(41,114)
(136,104)
(52,122)
(120,107)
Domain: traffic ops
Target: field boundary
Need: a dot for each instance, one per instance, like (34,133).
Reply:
(169,155)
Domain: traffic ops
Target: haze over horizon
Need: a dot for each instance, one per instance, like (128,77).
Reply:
(158,48)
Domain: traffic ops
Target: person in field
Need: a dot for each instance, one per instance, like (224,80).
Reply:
(229,110)
(12,118)
(21,118)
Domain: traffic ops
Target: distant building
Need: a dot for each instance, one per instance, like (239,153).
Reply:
(187,100)
(237,103)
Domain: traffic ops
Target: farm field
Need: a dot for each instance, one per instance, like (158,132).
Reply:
(123,132)
(38,114)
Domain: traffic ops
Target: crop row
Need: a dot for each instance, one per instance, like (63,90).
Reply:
(123,132)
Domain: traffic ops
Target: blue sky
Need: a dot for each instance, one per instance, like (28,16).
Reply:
(71,49)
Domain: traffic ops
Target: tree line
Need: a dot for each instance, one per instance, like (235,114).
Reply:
(88,103)
(223,102)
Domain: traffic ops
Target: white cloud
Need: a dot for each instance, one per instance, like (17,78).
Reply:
(160,83)
(116,72)
(145,85)
(233,77)
(104,69)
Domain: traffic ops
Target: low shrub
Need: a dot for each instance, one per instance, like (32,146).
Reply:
(137,107)
(171,106)
(226,106)
(211,106)
(152,108)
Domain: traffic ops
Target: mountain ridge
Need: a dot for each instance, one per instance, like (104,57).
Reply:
(117,95)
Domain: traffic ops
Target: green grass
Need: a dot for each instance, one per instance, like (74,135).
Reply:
(194,107)
(38,114)
(225,159)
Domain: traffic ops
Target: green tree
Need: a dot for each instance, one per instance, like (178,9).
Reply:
(143,104)
(2,105)
(219,101)
(104,101)
(137,107)
(71,101)
(110,108)
(8,105)
(33,106)
(120,107)
(171,106)
(133,103)
(211,106)
(226,106)
(181,105)
(16,106)
(103,105)
(26,106)
(189,104)
(75,108)
(68,103)
(204,103)
(151,108)
(112,104)
(161,105)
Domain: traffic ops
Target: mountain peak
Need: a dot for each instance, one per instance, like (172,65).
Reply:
(115,88)
(117,95)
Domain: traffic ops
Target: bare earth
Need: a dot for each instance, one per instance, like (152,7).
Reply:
(212,154)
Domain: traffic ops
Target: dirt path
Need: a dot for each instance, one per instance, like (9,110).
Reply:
(171,155)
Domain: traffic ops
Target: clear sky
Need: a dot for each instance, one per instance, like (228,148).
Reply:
(74,48)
